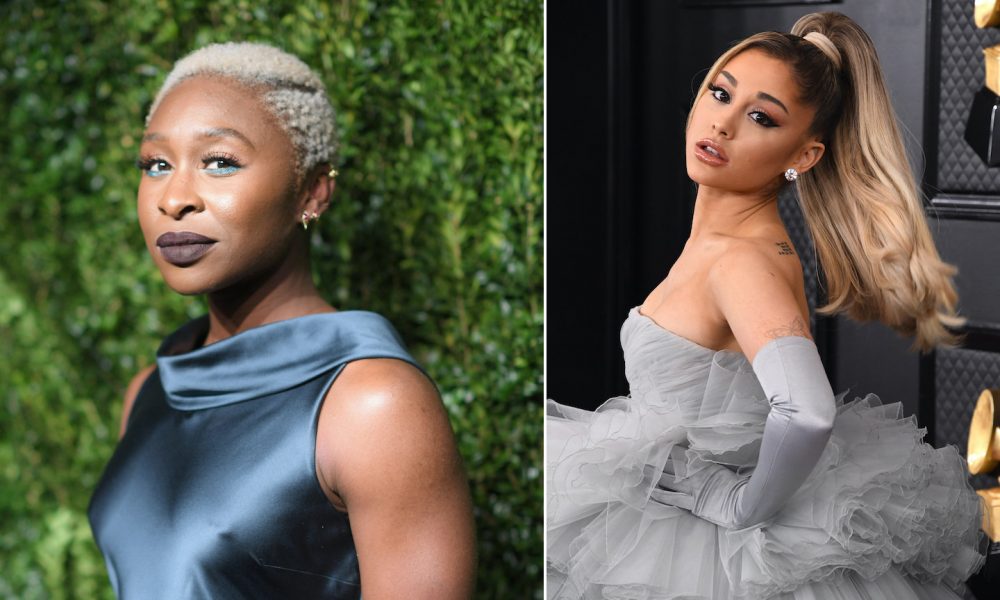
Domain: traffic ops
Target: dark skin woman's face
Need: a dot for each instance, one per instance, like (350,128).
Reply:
(218,202)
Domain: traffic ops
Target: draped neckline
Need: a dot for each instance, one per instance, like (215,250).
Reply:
(267,359)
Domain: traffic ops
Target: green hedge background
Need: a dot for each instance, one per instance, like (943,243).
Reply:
(437,223)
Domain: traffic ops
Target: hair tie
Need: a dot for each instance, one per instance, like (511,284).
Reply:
(825,45)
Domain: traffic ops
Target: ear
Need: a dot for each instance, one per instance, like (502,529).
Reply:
(809,155)
(317,191)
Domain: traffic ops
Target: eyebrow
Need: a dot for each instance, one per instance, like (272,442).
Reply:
(761,95)
(211,132)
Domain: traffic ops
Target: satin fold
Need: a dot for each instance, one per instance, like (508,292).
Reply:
(267,359)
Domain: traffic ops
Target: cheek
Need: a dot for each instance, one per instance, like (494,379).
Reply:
(764,154)
(757,166)
(258,218)
(755,161)
(755,172)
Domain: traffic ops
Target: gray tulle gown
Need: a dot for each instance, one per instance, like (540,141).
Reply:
(883,516)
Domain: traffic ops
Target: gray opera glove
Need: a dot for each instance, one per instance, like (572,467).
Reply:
(795,433)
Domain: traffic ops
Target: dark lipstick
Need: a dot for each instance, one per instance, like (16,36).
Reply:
(183,248)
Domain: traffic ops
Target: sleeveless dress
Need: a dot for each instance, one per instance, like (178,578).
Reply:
(212,492)
(883,516)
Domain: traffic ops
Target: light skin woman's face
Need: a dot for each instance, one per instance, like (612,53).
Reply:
(749,127)
(217,201)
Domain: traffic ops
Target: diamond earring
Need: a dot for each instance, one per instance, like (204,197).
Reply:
(791,174)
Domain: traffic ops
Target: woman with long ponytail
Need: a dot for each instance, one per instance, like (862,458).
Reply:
(732,470)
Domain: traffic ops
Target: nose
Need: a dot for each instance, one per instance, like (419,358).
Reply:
(179,196)
(723,121)
(721,127)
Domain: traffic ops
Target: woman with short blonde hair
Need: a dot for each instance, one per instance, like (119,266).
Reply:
(278,448)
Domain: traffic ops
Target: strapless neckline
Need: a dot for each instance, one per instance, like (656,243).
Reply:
(636,312)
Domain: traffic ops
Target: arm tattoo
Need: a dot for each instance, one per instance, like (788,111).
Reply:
(784,248)
(796,327)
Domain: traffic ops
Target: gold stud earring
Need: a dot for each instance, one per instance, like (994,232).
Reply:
(333,173)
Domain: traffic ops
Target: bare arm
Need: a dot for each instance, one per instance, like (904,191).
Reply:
(386,448)
(130,394)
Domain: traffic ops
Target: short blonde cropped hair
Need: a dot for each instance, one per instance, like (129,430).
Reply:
(290,90)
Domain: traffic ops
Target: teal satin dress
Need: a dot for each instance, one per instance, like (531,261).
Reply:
(212,492)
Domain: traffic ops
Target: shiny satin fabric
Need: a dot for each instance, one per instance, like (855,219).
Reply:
(212,491)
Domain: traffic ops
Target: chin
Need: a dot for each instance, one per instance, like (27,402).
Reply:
(186,284)
(696,172)
(193,280)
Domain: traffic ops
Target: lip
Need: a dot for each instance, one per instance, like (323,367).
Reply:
(183,248)
(182,238)
(706,156)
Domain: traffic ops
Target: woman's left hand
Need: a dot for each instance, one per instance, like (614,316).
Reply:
(709,490)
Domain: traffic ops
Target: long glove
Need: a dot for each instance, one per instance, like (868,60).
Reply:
(796,432)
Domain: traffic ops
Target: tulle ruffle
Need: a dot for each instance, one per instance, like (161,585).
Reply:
(882,513)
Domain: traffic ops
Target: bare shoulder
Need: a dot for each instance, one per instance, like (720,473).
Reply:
(131,392)
(755,263)
(381,388)
(379,410)
(757,283)
(773,255)
(386,452)
(383,393)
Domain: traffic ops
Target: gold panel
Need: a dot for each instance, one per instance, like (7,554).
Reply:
(991,56)
(991,512)
(983,451)
(987,13)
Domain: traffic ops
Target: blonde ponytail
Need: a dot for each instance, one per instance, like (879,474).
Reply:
(860,201)
(864,211)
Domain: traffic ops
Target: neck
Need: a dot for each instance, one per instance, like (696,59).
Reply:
(282,293)
(722,212)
